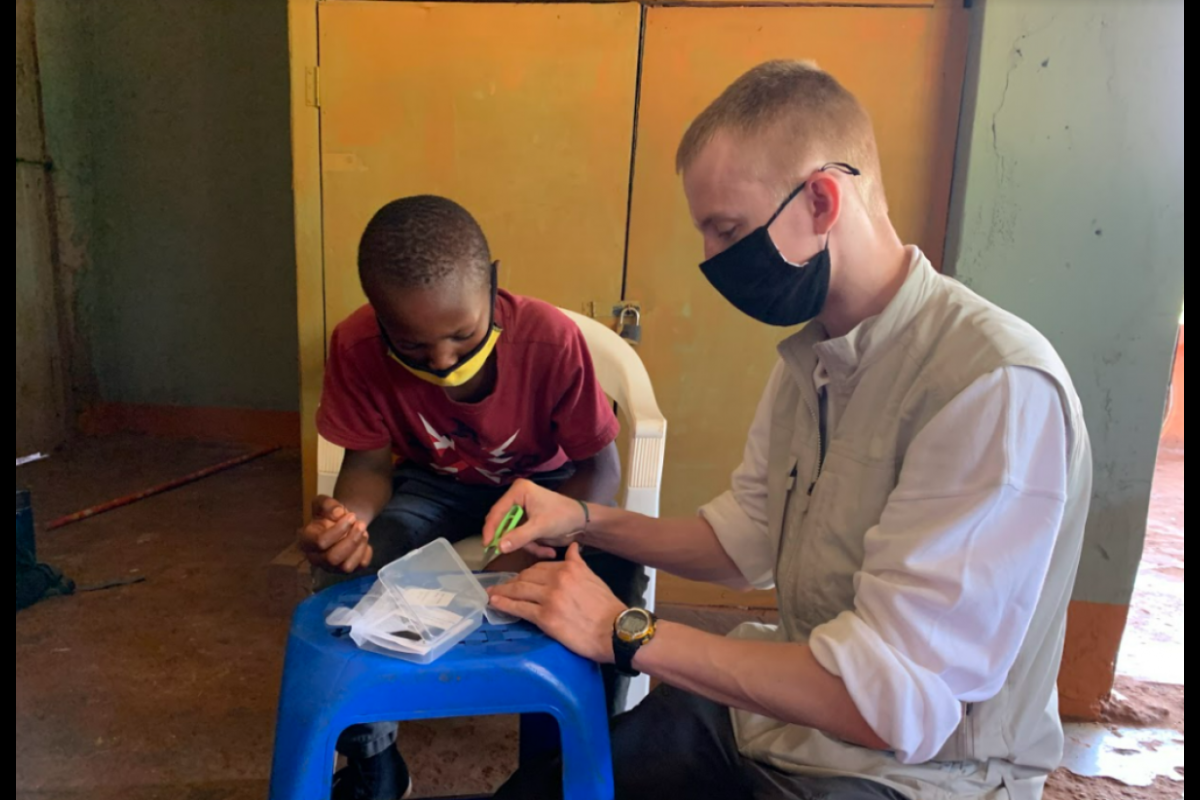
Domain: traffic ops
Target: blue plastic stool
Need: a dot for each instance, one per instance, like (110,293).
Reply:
(329,685)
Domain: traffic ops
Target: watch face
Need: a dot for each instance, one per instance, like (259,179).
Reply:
(633,624)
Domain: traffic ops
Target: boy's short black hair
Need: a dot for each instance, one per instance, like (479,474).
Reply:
(420,242)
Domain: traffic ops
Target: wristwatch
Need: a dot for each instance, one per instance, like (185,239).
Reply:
(632,631)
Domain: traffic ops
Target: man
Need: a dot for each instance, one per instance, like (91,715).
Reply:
(915,485)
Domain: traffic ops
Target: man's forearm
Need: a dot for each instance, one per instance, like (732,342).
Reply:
(688,548)
(779,681)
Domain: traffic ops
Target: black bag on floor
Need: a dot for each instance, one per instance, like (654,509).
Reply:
(42,581)
(35,582)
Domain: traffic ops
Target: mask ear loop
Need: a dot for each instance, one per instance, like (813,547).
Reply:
(495,295)
(775,218)
(853,172)
(787,202)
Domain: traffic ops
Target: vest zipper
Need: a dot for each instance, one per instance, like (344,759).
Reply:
(816,417)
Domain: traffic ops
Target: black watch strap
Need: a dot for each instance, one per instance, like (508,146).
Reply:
(625,652)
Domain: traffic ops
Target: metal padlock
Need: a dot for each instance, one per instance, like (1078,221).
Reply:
(631,333)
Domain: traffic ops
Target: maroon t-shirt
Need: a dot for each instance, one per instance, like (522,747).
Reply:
(547,408)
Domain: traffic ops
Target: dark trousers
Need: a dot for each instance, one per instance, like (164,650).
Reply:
(676,745)
(426,507)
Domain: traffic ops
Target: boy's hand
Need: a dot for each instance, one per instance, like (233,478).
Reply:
(554,521)
(336,540)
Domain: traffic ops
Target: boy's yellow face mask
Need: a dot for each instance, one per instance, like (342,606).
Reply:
(461,373)
(469,365)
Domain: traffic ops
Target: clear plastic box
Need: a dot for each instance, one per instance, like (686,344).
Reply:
(489,580)
(435,603)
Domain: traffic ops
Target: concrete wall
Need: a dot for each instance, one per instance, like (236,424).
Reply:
(168,122)
(42,403)
(1069,203)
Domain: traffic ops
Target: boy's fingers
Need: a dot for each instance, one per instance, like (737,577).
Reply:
(574,553)
(341,552)
(350,565)
(328,508)
(361,557)
(318,503)
(337,532)
(310,535)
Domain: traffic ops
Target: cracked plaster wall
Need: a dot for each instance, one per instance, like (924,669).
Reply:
(1069,211)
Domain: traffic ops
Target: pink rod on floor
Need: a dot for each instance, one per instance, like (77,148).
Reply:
(112,505)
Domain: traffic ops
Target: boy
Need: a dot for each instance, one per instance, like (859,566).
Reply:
(467,388)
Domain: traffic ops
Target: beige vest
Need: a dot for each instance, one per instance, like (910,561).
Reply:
(890,378)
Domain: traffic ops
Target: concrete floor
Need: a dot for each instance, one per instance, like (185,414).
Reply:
(166,690)
(1153,650)
(1138,750)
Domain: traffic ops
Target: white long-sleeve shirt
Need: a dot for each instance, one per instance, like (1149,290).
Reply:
(954,570)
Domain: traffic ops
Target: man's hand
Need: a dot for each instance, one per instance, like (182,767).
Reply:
(553,521)
(567,601)
(336,540)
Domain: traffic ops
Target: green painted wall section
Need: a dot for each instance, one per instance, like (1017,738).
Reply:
(1069,205)
(43,418)
(168,123)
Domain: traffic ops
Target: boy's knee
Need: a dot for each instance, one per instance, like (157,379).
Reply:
(627,580)
(398,531)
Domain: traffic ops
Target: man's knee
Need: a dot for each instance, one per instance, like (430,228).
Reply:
(673,745)
(668,709)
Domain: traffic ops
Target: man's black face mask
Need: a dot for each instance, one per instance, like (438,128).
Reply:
(758,281)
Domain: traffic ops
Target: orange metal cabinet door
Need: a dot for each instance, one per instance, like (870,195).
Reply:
(856,3)
(710,363)
(521,112)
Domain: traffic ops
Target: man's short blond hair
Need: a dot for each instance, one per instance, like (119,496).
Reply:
(799,113)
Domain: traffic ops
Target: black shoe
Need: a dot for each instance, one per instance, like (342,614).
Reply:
(384,777)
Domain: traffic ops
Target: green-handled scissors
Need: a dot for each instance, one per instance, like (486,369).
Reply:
(510,522)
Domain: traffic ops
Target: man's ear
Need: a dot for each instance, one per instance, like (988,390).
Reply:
(825,202)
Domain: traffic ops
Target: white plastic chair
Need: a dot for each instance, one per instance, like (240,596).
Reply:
(623,378)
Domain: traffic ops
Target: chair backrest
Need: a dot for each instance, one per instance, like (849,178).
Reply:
(620,371)
(624,378)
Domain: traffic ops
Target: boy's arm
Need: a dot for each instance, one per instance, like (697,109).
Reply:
(337,537)
(597,479)
(364,486)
